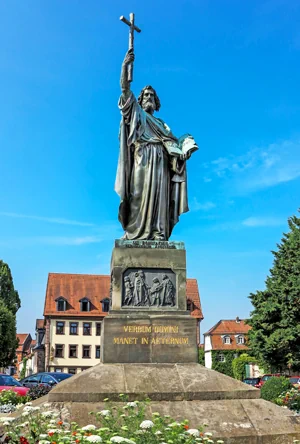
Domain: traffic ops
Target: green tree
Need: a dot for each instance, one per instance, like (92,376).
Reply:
(8,339)
(275,335)
(201,358)
(9,305)
(8,294)
(239,365)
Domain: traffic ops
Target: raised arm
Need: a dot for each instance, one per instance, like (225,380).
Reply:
(124,82)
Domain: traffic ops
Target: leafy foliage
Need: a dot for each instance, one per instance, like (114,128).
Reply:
(239,365)
(274,387)
(201,359)
(226,366)
(127,423)
(23,371)
(290,399)
(9,305)
(11,397)
(8,340)
(8,294)
(275,335)
(38,391)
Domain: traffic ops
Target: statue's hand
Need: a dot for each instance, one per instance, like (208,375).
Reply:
(129,57)
(185,156)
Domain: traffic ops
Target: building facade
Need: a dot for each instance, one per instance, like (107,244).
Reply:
(227,335)
(75,306)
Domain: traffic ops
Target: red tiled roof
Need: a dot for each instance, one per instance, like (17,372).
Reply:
(192,294)
(22,338)
(230,328)
(74,287)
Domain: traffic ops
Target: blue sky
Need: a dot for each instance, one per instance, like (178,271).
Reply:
(226,72)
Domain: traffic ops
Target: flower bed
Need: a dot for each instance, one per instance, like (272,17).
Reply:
(127,423)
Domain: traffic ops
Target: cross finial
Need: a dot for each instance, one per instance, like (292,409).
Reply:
(132,28)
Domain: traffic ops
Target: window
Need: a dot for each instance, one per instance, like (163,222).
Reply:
(60,328)
(87,328)
(98,329)
(72,371)
(85,304)
(61,304)
(105,305)
(240,340)
(72,351)
(58,370)
(97,352)
(221,357)
(189,306)
(59,350)
(226,340)
(73,328)
(47,379)
(86,351)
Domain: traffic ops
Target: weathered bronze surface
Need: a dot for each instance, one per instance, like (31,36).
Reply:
(150,181)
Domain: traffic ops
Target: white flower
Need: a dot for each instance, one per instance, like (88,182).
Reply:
(132,404)
(89,427)
(28,403)
(194,432)
(46,405)
(158,432)
(52,421)
(6,423)
(174,424)
(105,412)
(94,438)
(146,424)
(7,419)
(35,409)
(43,436)
(47,415)
(44,441)
(25,414)
(19,406)
(53,431)
(24,424)
(117,439)
(208,434)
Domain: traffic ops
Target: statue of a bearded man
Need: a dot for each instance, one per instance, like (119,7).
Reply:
(151,183)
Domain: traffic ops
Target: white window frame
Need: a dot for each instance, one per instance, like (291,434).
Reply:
(221,357)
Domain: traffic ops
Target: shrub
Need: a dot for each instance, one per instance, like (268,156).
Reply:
(274,387)
(239,365)
(290,399)
(38,391)
(201,358)
(11,397)
(7,408)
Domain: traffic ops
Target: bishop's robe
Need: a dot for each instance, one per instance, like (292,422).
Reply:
(151,183)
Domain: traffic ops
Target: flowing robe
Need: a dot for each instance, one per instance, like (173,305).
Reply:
(151,183)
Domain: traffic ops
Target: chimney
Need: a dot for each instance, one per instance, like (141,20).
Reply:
(237,320)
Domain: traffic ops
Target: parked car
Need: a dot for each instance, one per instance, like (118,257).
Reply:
(295,380)
(9,383)
(252,381)
(265,378)
(49,379)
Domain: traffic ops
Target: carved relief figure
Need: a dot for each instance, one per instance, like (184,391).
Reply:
(128,291)
(168,291)
(140,293)
(155,292)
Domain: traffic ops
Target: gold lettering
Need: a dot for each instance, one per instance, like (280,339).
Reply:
(145,340)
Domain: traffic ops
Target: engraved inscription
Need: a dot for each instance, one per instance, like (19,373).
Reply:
(154,335)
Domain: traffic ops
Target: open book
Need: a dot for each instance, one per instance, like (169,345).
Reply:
(185,145)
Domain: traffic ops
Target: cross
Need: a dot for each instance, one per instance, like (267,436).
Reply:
(132,28)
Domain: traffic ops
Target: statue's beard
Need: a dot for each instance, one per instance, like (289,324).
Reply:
(149,106)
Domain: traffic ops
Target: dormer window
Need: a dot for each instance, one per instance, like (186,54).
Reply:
(85,304)
(105,305)
(240,339)
(226,340)
(61,304)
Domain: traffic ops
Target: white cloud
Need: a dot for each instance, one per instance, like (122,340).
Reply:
(263,222)
(260,167)
(53,220)
(198,206)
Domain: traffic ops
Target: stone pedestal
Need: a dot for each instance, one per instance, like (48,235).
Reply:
(148,321)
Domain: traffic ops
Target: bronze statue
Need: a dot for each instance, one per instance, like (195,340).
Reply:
(151,175)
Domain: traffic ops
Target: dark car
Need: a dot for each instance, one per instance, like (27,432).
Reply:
(252,381)
(9,383)
(49,379)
